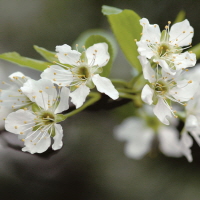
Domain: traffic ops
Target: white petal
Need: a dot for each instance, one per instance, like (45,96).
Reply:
(19,121)
(186,143)
(184,60)
(147,94)
(169,141)
(162,111)
(181,33)
(18,78)
(37,145)
(184,91)
(148,72)
(79,95)
(191,123)
(64,100)
(104,85)
(42,92)
(150,32)
(165,66)
(3,114)
(58,75)
(66,55)
(101,57)
(58,137)
(144,49)
(137,136)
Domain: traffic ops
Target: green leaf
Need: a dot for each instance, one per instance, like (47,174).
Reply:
(126,28)
(108,10)
(180,17)
(48,55)
(99,39)
(24,61)
(196,49)
(85,35)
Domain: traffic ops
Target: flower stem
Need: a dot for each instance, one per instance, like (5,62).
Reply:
(95,96)
(119,81)
(135,79)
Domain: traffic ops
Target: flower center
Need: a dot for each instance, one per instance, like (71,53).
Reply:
(161,87)
(83,72)
(163,49)
(47,117)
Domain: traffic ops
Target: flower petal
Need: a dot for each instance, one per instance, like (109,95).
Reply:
(150,32)
(184,90)
(181,33)
(42,92)
(162,111)
(169,141)
(148,72)
(98,54)
(36,143)
(186,143)
(79,95)
(66,55)
(64,100)
(58,75)
(20,121)
(104,85)
(147,94)
(58,137)
(139,141)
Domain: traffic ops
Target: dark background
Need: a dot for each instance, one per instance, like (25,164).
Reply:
(91,165)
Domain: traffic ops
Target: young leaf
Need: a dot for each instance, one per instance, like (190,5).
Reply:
(48,55)
(24,61)
(108,10)
(99,39)
(126,28)
(85,35)
(196,49)
(180,17)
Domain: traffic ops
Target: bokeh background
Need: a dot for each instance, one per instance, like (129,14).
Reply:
(91,165)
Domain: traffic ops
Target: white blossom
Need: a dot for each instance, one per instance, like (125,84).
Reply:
(35,128)
(139,138)
(164,88)
(166,48)
(80,72)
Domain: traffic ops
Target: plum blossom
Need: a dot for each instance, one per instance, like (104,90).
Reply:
(166,48)
(35,128)
(80,72)
(139,138)
(164,88)
(192,121)
(11,96)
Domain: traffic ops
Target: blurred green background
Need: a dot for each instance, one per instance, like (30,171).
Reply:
(91,165)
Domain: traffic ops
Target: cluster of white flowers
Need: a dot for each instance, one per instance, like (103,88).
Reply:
(31,108)
(164,63)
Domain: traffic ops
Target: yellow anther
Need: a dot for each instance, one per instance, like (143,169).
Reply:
(166,27)
(190,81)
(46,87)
(22,140)
(21,133)
(135,40)
(25,122)
(25,109)
(54,73)
(155,25)
(55,57)
(169,22)
(15,127)
(40,91)
(183,31)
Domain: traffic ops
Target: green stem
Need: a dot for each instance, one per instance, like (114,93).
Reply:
(119,81)
(126,96)
(95,96)
(135,79)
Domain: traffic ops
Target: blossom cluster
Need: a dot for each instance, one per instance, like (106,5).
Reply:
(32,109)
(169,84)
